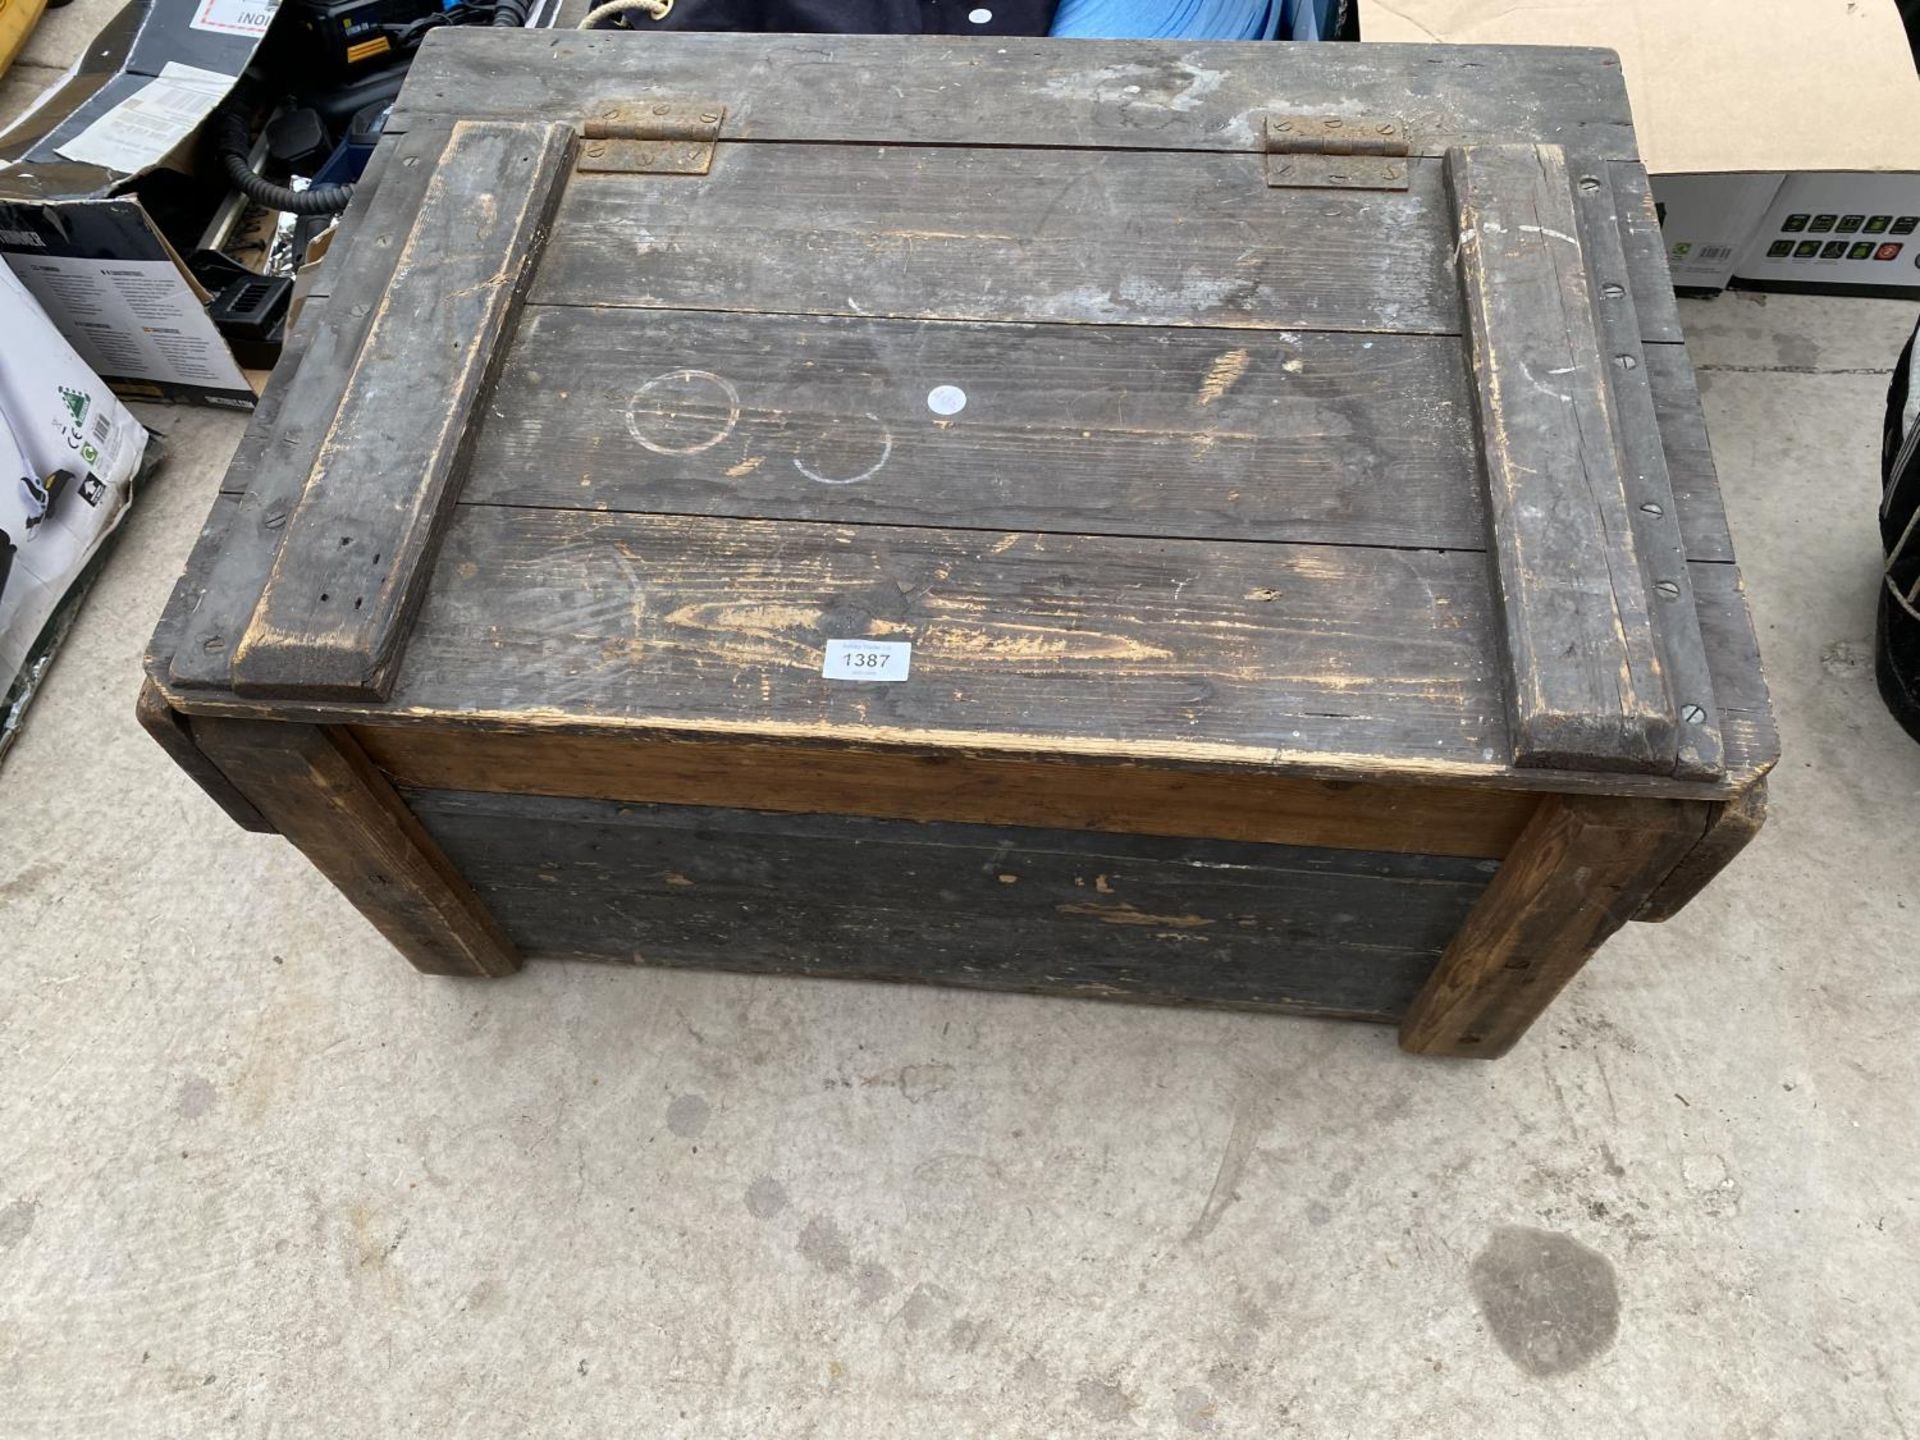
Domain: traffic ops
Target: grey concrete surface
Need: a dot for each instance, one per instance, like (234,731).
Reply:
(258,1179)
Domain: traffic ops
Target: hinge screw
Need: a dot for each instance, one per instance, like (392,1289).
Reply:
(1626,362)
(596,150)
(1589,184)
(1693,714)
(612,112)
(709,117)
(1612,290)
(1652,509)
(1283,125)
(1669,590)
(663,109)
(1386,129)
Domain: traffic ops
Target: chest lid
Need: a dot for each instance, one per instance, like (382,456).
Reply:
(1227,405)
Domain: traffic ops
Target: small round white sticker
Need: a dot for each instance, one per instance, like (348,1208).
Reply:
(946,399)
(980,17)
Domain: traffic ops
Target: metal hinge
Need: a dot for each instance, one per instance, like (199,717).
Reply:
(1339,152)
(650,137)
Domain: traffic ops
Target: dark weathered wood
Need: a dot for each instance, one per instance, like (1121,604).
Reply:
(333,616)
(1065,236)
(945,785)
(280,446)
(1333,438)
(603,624)
(1698,751)
(620,624)
(1646,251)
(1585,685)
(174,733)
(313,784)
(1116,94)
(1207,922)
(1739,685)
(1157,650)
(1075,429)
(1729,830)
(1581,870)
(1690,470)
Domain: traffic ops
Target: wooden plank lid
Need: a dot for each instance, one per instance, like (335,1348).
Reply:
(1133,426)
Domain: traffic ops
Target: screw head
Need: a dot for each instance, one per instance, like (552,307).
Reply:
(1613,290)
(1652,509)
(1669,590)
(1283,125)
(596,149)
(1589,183)
(1626,362)
(663,109)
(1333,122)
(612,112)
(1692,714)
(709,117)
(1386,129)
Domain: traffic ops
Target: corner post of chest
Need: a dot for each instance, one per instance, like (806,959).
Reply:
(315,785)
(1582,868)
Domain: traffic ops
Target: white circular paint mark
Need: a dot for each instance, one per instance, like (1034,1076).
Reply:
(980,16)
(946,399)
(883,435)
(683,412)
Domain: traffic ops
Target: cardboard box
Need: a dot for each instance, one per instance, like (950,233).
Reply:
(1736,103)
(78,176)
(1708,221)
(1844,234)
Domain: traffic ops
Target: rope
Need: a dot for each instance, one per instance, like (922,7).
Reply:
(654,9)
(1168,19)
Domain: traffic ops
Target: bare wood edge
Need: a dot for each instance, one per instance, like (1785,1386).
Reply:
(319,790)
(173,732)
(1206,757)
(1271,808)
(1584,866)
(1730,829)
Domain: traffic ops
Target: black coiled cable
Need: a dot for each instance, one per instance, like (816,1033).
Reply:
(230,143)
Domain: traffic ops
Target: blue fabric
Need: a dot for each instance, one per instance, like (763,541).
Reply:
(1168,19)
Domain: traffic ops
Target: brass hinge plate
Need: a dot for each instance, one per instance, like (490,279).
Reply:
(1337,152)
(650,137)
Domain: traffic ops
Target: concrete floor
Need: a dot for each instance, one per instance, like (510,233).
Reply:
(259,1179)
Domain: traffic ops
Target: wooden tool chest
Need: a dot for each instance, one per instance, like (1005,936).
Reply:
(1206,523)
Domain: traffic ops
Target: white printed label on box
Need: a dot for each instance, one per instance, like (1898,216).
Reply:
(234,17)
(131,319)
(867,659)
(142,128)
